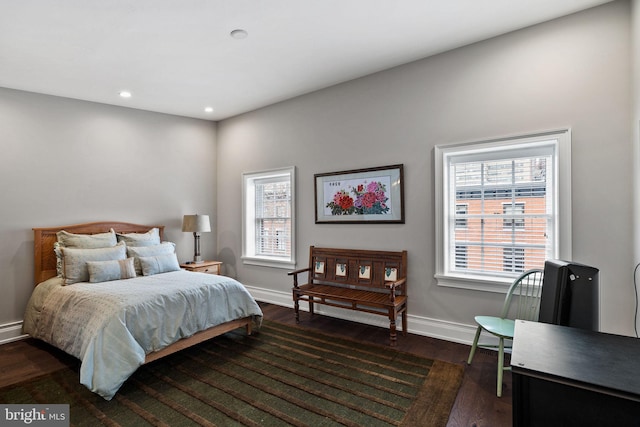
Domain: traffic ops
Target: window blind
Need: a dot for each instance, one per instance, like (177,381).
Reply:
(501,211)
(273,216)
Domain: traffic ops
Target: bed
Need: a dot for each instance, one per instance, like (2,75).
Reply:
(115,326)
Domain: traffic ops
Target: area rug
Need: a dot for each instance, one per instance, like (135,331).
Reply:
(281,375)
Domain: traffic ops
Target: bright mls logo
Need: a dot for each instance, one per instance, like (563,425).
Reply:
(36,415)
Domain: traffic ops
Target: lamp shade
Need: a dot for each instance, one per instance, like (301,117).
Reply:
(196,223)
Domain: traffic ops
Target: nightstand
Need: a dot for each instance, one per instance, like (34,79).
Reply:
(211,267)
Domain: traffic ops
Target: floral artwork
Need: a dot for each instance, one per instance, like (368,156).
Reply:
(363,195)
(366,198)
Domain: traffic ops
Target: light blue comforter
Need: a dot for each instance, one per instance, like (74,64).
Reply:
(111,326)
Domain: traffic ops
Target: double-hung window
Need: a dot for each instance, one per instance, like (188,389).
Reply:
(269,218)
(502,207)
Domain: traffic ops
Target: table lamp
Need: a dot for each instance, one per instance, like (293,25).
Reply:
(196,224)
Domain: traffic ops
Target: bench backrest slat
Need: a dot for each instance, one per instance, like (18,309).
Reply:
(358,268)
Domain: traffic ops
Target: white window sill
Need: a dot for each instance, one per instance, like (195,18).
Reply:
(476,283)
(269,262)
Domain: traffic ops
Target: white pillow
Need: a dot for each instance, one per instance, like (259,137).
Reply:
(74,261)
(163,248)
(159,264)
(150,238)
(104,271)
(85,241)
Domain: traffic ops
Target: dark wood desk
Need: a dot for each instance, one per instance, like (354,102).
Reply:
(574,377)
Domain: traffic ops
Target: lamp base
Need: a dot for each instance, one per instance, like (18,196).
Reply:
(197,259)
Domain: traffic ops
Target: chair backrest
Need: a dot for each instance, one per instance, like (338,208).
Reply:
(527,289)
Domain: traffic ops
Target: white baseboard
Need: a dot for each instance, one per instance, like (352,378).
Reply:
(10,332)
(434,328)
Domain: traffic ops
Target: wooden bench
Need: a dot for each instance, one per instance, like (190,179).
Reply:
(363,280)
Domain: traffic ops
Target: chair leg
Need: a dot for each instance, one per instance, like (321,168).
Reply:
(474,346)
(500,366)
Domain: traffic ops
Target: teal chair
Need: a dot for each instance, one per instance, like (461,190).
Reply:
(527,290)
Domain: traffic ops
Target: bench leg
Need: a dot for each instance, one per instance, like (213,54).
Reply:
(296,306)
(311,305)
(392,327)
(404,322)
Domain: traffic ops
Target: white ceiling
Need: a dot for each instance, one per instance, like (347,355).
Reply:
(177,56)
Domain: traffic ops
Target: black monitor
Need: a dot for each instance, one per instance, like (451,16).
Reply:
(570,295)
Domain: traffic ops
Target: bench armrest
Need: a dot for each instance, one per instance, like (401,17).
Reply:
(392,288)
(393,285)
(295,273)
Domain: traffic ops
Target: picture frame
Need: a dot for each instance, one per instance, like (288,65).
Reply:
(360,196)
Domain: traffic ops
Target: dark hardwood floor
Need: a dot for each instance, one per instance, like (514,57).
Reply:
(476,404)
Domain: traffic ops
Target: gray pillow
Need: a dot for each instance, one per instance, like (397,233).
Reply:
(104,271)
(87,241)
(150,238)
(136,252)
(159,264)
(84,241)
(74,261)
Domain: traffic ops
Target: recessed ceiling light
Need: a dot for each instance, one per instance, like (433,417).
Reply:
(125,94)
(239,34)
(208,109)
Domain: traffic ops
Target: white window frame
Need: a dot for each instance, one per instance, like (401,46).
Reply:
(561,142)
(249,240)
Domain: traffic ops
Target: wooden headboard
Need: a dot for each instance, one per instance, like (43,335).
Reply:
(44,238)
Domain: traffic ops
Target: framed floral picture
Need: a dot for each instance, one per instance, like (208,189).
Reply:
(373,195)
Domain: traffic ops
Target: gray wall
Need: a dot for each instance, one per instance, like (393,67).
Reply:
(572,72)
(635,73)
(64,161)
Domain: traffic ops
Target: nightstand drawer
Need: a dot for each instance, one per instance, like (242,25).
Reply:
(210,267)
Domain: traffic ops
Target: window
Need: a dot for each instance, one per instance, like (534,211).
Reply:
(502,207)
(513,260)
(513,215)
(461,215)
(269,218)
(461,257)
